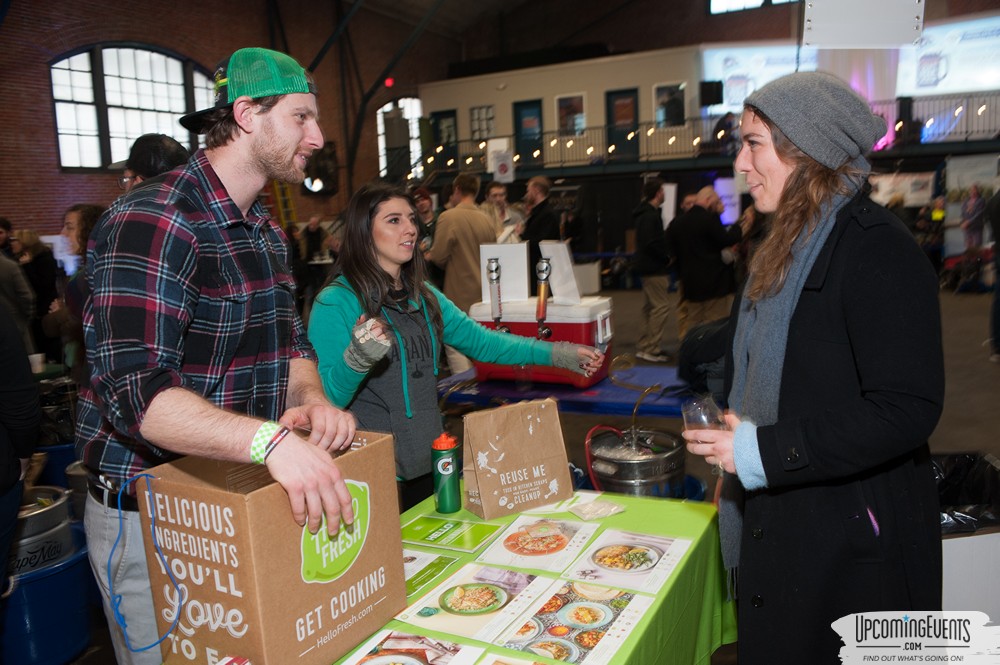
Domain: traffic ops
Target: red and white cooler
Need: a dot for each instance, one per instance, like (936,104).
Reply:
(587,322)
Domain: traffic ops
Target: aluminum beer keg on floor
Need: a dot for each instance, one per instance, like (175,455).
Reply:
(42,536)
(639,462)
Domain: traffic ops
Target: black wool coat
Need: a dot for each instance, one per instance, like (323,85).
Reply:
(696,240)
(652,255)
(849,521)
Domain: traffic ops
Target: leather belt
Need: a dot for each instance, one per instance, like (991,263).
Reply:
(108,497)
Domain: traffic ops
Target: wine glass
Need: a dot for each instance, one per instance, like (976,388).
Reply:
(702,412)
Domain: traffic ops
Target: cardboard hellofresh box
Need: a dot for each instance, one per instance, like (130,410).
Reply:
(256,585)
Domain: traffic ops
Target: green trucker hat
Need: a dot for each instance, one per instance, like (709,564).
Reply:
(255,73)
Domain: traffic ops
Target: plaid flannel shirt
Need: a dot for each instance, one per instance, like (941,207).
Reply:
(186,292)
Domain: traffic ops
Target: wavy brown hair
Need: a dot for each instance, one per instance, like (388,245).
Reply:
(89,214)
(809,186)
(358,258)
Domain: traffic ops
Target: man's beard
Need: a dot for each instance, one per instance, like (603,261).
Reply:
(273,160)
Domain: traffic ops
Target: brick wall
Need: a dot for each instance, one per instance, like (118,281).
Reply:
(35,191)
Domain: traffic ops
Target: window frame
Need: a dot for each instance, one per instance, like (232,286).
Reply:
(413,125)
(189,67)
(763,4)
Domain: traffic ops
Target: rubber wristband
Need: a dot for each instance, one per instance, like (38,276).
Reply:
(275,440)
(263,436)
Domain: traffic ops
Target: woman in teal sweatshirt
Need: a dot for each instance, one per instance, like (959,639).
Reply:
(378,327)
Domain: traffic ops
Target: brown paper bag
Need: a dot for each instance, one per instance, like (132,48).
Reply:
(514,459)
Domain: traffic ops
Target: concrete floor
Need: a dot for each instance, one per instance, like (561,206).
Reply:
(968,423)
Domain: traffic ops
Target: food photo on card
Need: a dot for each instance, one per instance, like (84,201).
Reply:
(538,543)
(578,622)
(402,648)
(477,602)
(631,560)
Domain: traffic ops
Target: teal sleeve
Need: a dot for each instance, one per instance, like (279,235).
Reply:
(333,315)
(486,345)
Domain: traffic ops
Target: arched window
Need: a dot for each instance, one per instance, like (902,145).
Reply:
(107,96)
(399,139)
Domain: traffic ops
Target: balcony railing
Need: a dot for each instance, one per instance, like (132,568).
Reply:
(945,119)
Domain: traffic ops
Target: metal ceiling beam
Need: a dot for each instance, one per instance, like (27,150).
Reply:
(275,27)
(352,147)
(339,30)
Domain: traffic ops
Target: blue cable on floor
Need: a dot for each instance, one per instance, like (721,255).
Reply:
(116,599)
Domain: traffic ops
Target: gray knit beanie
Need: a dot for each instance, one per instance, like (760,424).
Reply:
(822,116)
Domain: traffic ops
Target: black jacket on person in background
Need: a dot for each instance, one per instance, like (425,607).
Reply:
(697,239)
(652,256)
(542,224)
(20,411)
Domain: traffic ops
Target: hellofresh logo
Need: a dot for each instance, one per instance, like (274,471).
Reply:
(325,559)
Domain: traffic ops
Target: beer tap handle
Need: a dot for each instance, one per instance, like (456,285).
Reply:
(496,302)
(542,271)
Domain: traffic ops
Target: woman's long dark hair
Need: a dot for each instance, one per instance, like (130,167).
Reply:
(358,258)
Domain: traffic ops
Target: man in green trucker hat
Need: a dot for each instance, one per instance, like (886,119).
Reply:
(193,340)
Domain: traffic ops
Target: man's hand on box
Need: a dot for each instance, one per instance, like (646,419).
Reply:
(330,428)
(314,484)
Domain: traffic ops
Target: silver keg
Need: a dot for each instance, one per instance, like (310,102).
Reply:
(43,535)
(639,462)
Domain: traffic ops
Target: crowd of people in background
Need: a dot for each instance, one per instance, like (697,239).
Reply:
(190,305)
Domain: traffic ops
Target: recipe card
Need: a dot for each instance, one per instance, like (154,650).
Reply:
(420,568)
(498,659)
(544,544)
(458,535)
(629,560)
(477,602)
(577,622)
(391,647)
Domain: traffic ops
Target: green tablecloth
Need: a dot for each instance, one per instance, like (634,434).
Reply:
(690,617)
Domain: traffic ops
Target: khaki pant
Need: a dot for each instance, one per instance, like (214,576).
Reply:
(457,362)
(655,309)
(691,314)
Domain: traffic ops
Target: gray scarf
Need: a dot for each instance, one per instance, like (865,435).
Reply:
(758,358)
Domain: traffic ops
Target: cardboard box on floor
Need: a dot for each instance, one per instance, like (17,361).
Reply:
(257,585)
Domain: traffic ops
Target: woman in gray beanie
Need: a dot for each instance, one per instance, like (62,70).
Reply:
(835,382)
